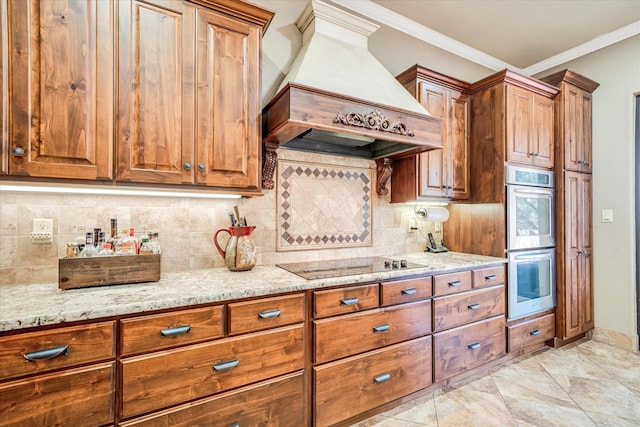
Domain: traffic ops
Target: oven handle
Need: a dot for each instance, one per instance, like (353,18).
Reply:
(538,255)
(534,190)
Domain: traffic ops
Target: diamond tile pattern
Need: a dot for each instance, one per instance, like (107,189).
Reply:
(323,206)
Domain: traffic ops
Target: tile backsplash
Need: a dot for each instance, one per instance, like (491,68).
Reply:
(185,226)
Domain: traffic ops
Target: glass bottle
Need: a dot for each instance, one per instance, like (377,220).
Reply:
(145,247)
(89,250)
(106,250)
(128,244)
(114,233)
(154,242)
(81,236)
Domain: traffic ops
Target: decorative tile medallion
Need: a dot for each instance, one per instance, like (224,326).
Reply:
(323,206)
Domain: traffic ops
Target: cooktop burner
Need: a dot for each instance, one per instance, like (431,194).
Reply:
(346,267)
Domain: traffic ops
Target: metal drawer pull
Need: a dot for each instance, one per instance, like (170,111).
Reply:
(473,306)
(490,277)
(409,291)
(534,332)
(225,366)
(382,378)
(47,354)
(234,425)
(381,328)
(269,314)
(175,331)
(349,301)
(456,283)
(474,346)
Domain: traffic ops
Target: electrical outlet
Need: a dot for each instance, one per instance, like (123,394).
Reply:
(42,231)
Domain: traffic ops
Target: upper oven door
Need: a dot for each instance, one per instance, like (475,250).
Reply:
(530,217)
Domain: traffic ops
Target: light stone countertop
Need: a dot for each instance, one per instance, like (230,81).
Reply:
(25,306)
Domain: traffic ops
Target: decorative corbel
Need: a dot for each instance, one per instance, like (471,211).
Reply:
(270,158)
(384,171)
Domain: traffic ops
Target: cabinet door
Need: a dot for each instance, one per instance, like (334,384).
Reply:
(75,397)
(577,129)
(457,160)
(431,172)
(577,281)
(227,126)
(542,144)
(585,124)
(519,125)
(61,84)
(156,91)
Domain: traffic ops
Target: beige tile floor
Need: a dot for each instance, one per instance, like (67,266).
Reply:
(583,384)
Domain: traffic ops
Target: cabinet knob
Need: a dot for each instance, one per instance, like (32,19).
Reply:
(187,166)
(201,167)
(17,151)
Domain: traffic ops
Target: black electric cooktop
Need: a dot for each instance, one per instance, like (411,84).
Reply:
(347,267)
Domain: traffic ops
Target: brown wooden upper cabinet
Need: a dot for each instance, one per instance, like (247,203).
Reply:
(186,90)
(529,128)
(437,173)
(573,110)
(61,80)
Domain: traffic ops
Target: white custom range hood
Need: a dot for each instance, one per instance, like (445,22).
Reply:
(338,99)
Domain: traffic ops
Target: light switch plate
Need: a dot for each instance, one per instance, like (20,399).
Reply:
(606,215)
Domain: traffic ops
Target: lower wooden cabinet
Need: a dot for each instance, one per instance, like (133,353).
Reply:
(155,381)
(75,397)
(350,334)
(531,334)
(466,307)
(466,347)
(277,402)
(351,386)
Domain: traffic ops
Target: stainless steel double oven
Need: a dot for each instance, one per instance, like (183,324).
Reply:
(530,240)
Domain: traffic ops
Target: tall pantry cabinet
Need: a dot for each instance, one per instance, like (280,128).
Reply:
(574,312)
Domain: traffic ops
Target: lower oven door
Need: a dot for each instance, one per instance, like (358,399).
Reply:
(531,282)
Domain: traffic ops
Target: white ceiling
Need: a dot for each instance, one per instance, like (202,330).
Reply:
(524,35)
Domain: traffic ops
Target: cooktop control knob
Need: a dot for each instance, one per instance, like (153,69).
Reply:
(387,264)
(395,264)
(403,263)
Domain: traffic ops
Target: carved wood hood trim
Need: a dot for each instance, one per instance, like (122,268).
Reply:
(374,120)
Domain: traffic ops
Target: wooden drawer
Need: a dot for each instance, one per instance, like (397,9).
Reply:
(161,331)
(467,347)
(488,277)
(406,290)
(349,387)
(265,313)
(531,334)
(277,402)
(467,307)
(155,381)
(75,397)
(344,300)
(452,283)
(56,348)
(359,332)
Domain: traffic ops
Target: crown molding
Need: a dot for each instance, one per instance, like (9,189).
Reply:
(598,43)
(403,24)
(398,22)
